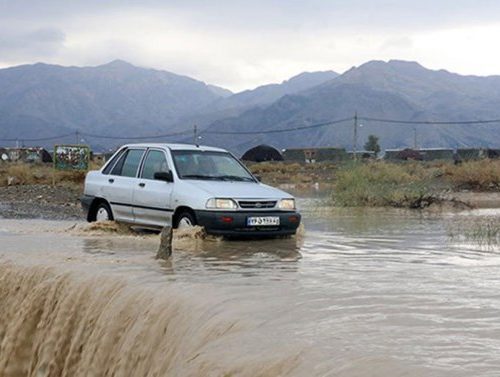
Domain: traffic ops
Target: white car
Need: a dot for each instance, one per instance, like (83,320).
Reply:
(178,185)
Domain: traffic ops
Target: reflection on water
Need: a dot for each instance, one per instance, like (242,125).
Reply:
(364,292)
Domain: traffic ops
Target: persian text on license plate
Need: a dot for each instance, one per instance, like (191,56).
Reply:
(263,221)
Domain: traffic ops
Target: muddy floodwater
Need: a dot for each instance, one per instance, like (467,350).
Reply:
(358,293)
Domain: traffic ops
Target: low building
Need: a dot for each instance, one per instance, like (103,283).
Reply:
(262,153)
(493,153)
(25,154)
(311,155)
(431,154)
(467,154)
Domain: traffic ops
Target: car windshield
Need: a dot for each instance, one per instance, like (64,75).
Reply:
(209,165)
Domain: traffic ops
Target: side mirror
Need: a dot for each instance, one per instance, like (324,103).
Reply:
(166,176)
(258,178)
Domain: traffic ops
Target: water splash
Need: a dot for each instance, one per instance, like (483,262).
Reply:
(59,324)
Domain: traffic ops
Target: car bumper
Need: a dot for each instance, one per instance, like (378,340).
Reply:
(217,223)
(86,201)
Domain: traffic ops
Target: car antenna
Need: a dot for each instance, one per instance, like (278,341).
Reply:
(196,137)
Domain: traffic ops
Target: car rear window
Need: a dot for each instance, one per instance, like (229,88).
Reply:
(111,163)
(128,164)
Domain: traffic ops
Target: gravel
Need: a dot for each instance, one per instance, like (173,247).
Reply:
(41,202)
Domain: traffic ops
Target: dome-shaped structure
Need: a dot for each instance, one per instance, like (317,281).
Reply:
(262,153)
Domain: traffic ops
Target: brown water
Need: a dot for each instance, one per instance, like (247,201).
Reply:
(361,293)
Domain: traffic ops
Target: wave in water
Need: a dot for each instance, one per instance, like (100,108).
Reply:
(65,324)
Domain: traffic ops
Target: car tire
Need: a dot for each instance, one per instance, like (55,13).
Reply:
(103,212)
(185,220)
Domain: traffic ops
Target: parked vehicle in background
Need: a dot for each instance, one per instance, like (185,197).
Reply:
(179,185)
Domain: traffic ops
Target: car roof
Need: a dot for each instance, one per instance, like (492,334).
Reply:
(176,146)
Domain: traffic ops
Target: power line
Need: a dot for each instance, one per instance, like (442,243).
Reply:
(40,138)
(317,125)
(275,131)
(134,137)
(381,120)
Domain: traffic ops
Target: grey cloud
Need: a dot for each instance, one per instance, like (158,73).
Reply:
(279,14)
(40,43)
(399,43)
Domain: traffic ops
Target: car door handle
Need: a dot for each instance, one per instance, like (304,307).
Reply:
(111,180)
(142,184)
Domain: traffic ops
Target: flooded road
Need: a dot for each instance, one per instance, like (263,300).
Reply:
(361,293)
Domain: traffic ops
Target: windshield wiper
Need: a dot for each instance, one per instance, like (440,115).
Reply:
(235,178)
(199,176)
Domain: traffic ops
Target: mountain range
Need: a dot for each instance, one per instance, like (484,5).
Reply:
(120,99)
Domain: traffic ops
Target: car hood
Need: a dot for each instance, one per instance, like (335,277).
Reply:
(239,190)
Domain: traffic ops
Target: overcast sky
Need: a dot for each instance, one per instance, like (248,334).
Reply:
(243,44)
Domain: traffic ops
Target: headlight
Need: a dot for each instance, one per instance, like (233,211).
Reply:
(287,204)
(216,203)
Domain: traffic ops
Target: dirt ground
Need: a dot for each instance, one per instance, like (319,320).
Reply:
(41,201)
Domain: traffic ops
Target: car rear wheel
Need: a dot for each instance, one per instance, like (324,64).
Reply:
(185,220)
(103,212)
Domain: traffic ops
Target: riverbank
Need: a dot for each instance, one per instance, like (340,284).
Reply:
(26,191)
(411,184)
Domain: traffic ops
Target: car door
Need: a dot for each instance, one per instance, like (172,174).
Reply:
(122,180)
(152,198)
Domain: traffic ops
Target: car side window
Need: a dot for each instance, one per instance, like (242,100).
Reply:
(155,162)
(128,164)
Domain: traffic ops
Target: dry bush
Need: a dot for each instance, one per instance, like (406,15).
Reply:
(29,174)
(481,175)
(22,174)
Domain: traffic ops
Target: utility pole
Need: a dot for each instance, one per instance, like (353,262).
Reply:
(77,137)
(355,136)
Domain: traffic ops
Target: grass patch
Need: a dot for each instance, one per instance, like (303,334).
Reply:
(377,184)
(482,232)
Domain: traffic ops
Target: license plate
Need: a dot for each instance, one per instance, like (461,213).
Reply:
(263,221)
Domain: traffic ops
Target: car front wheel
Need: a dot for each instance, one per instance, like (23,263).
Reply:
(185,220)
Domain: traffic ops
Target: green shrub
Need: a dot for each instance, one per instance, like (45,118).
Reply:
(383,184)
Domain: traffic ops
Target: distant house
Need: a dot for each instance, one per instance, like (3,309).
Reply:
(424,154)
(311,155)
(262,153)
(29,155)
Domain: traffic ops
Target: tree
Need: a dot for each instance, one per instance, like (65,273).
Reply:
(372,144)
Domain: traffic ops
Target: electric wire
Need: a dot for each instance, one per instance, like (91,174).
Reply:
(263,132)
(447,122)
(317,125)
